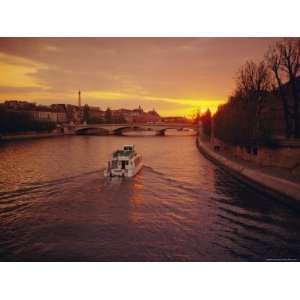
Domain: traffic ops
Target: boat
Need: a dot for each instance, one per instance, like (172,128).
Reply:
(124,163)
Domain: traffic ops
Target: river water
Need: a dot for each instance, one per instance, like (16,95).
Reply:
(55,205)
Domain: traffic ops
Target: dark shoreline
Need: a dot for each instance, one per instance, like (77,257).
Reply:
(264,183)
(15,137)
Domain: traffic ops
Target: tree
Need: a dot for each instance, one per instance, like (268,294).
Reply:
(233,122)
(273,58)
(253,87)
(108,115)
(206,123)
(196,118)
(284,60)
(239,121)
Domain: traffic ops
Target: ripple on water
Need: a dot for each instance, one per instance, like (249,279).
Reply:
(180,206)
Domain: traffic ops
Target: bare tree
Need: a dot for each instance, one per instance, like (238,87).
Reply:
(284,61)
(273,58)
(253,85)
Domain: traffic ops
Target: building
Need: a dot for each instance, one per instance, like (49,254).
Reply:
(61,113)
(19,105)
(123,115)
(43,114)
(153,116)
(95,113)
(175,120)
(74,114)
(56,113)
(66,113)
(135,116)
(35,112)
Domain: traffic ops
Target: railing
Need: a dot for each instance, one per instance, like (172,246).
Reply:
(139,124)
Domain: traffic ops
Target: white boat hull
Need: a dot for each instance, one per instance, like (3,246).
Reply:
(122,173)
(124,163)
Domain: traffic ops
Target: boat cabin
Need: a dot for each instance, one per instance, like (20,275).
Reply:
(128,148)
(125,162)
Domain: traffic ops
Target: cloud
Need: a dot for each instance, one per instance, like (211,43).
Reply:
(19,90)
(176,73)
(19,72)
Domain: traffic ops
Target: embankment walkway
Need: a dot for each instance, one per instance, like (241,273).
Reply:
(276,182)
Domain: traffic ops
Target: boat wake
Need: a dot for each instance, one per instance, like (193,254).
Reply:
(183,185)
(36,186)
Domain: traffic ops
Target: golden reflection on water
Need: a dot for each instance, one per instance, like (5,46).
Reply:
(179,207)
(136,199)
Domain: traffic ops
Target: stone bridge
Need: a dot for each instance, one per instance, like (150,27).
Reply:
(117,129)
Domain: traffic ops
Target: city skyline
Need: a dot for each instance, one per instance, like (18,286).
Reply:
(175,76)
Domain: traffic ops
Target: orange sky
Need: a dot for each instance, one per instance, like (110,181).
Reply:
(176,76)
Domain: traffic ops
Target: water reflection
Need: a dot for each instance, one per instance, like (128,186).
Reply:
(260,227)
(56,205)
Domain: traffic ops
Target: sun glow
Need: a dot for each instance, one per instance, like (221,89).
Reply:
(20,73)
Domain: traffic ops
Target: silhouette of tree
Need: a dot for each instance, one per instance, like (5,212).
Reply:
(196,118)
(284,60)
(233,122)
(253,87)
(206,123)
(239,121)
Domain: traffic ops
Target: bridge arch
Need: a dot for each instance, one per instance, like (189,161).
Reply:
(103,129)
(92,130)
(163,130)
(120,130)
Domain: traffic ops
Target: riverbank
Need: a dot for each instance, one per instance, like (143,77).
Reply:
(275,182)
(31,135)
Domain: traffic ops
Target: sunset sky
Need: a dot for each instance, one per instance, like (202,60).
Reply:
(175,76)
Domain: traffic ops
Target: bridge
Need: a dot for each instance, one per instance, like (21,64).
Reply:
(117,129)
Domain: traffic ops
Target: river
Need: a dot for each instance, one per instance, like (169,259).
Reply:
(55,205)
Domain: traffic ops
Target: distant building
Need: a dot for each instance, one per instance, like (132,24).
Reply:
(153,116)
(19,105)
(67,113)
(61,112)
(175,120)
(135,116)
(96,113)
(74,114)
(122,114)
(35,112)
(44,114)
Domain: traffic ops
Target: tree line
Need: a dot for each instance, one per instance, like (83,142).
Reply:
(16,121)
(242,120)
